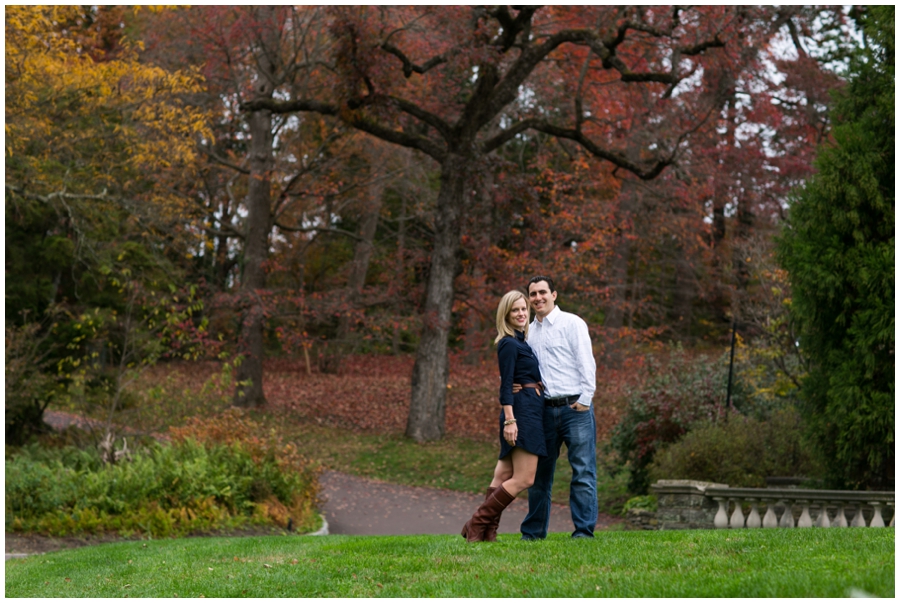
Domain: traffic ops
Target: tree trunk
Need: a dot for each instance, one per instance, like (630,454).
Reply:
(432,369)
(683,293)
(359,267)
(618,282)
(400,268)
(256,251)
(618,303)
(474,340)
(742,231)
(362,256)
(724,192)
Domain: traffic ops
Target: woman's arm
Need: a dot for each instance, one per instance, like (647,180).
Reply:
(510,428)
(506,358)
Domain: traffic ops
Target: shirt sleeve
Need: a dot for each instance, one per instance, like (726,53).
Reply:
(506,357)
(584,356)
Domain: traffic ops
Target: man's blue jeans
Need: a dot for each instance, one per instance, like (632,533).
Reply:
(578,431)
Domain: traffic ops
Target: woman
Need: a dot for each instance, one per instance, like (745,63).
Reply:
(521,419)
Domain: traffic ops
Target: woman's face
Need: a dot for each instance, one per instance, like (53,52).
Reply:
(518,314)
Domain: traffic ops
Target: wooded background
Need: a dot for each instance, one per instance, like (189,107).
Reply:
(322,182)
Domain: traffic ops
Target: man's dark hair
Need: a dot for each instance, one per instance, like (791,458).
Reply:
(539,278)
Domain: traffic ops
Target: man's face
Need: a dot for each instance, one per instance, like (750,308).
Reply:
(542,299)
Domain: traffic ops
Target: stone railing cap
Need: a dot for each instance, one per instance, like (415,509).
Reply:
(864,496)
(681,485)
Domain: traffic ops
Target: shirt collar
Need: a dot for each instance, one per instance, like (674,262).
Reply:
(554,314)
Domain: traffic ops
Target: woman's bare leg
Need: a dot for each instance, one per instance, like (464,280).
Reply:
(524,466)
(503,471)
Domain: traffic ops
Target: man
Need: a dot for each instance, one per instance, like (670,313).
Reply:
(562,344)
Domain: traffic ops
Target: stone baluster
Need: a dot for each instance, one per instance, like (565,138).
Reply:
(721,519)
(840,519)
(753,520)
(770,520)
(805,521)
(893,514)
(737,517)
(822,520)
(877,519)
(787,518)
(858,520)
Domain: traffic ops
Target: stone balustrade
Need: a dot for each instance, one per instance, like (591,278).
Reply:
(819,508)
(688,504)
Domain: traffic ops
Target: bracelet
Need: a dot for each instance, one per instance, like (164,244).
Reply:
(508,422)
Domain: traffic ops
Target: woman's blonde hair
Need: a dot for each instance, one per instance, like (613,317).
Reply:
(504,329)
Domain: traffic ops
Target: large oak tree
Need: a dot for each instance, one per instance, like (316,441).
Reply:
(457,83)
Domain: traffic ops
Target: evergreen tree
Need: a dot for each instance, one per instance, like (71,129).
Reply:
(838,247)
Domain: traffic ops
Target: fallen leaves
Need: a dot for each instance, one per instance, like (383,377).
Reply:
(371,393)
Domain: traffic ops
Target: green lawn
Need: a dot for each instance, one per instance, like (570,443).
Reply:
(701,563)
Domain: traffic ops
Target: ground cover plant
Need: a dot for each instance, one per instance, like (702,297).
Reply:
(690,563)
(212,475)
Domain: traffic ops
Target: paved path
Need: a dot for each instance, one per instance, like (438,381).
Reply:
(356,505)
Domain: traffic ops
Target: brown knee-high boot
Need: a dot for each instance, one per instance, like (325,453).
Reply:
(490,532)
(489,510)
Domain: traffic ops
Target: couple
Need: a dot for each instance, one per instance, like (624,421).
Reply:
(546,386)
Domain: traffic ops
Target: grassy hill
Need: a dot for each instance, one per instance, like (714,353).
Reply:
(702,563)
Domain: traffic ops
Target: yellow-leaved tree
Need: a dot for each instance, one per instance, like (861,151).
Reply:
(76,121)
(100,147)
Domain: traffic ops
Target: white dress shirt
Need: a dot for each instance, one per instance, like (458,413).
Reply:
(562,345)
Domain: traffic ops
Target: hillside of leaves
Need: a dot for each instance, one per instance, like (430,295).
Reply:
(371,393)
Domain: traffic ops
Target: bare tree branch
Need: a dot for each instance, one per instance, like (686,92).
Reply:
(508,134)
(318,229)
(355,119)
(409,67)
(644,172)
(223,161)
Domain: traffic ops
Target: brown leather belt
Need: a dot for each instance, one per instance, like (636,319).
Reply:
(538,386)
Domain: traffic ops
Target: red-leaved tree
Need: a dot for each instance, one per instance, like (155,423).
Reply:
(459,82)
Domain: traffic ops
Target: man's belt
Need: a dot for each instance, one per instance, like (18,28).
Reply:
(562,400)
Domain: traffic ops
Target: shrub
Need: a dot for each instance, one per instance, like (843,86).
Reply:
(670,401)
(29,384)
(166,490)
(233,426)
(740,452)
(647,502)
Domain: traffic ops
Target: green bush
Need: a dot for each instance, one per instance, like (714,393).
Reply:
(647,502)
(670,400)
(741,452)
(165,490)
